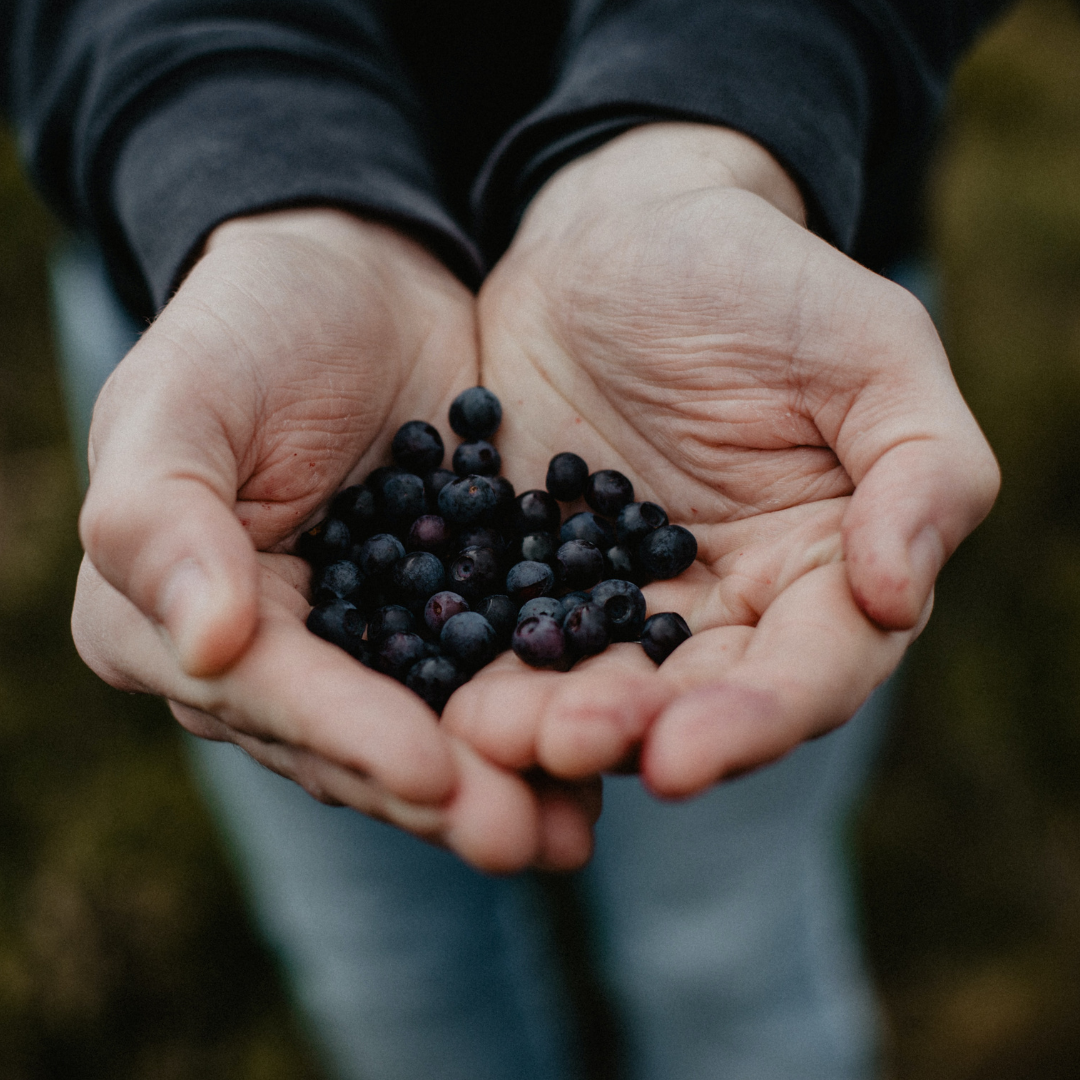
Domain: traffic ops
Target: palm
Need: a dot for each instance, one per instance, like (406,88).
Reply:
(717,354)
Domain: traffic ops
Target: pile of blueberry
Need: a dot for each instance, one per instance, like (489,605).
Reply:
(444,570)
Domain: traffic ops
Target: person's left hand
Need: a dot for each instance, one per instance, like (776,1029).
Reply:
(663,312)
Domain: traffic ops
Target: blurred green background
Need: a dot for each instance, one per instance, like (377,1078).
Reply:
(125,952)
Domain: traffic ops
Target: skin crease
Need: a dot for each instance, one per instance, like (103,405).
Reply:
(661,311)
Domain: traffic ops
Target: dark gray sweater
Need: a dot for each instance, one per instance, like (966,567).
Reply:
(148,122)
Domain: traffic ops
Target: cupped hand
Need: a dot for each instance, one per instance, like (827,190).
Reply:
(279,372)
(663,311)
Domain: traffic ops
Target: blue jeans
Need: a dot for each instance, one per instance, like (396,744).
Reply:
(723,925)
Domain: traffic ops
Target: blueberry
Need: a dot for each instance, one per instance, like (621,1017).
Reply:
(392,619)
(566,477)
(338,581)
(327,542)
(378,476)
(574,600)
(608,491)
(442,606)
(528,579)
(475,413)
(417,447)
(416,577)
(542,605)
(540,642)
(538,547)
(356,507)
(469,640)
(475,573)
(579,564)
(477,459)
(338,622)
(620,563)
(666,552)
(401,499)
(662,634)
(434,679)
(587,630)
(501,612)
(428,532)
(536,512)
(435,481)
(588,526)
(467,499)
(378,553)
(398,653)
(480,536)
(636,521)
(504,490)
(624,605)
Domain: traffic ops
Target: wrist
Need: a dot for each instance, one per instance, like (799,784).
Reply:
(656,162)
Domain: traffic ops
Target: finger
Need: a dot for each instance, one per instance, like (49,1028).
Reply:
(574,725)
(289,687)
(568,813)
(907,516)
(811,661)
(158,520)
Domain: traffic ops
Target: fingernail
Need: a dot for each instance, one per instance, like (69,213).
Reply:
(182,605)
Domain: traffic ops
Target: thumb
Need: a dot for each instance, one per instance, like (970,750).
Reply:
(158,520)
(913,506)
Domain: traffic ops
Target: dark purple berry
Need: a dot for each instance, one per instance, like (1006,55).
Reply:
(542,605)
(467,499)
(588,526)
(636,521)
(398,653)
(477,459)
(434,679)
(574,600)
(417,446)
(666,552)
(475,413)
(476,572)
(504,490)
(401,499)
(428,532)
(579,564)
(662,634)
(338,581)
(566,477)
(356,507)
(587,630)
(479,536)
(528,579)
(434,482)
(442,606)
(501,612)
(327,542)
(378,476)
(608,491)
(540,642)
(536,512)
(338,622)
(538,547)
(620,563)
(416,577)
(469,640)
(624,606)
(392,619)
(378,553)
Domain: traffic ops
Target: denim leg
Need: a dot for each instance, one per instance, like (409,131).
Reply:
(725,924)
(410,964)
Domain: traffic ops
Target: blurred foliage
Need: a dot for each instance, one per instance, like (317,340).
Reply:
(124,950)
(971,841)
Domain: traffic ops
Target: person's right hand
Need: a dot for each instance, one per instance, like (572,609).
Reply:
(279,372)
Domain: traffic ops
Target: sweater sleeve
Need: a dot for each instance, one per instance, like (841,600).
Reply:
(844,93)
(149,124)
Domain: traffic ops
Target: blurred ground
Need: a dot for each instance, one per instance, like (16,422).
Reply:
(124,950)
